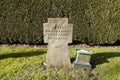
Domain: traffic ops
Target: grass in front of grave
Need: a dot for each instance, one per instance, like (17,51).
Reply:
(25,63)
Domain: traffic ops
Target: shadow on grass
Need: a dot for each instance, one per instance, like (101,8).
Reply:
(100,58)
(72,59)
(22,54)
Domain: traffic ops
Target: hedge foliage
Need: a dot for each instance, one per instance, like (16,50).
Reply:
(95,21)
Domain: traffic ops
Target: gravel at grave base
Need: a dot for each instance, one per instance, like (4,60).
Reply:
(45,46)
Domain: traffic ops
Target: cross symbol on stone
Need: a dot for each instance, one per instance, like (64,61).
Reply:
(57,33)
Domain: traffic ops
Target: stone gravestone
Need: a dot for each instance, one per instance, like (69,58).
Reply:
(83,59)
(57,33)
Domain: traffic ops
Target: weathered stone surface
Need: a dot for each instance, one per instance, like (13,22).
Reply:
(83,59)
(57,33)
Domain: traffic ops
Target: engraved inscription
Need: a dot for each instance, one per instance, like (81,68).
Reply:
(58,32)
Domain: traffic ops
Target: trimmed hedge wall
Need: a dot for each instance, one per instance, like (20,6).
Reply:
(95,21)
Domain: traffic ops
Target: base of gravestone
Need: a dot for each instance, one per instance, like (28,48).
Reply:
(58,55)
(82,66)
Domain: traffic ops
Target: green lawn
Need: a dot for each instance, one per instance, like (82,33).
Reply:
(25,63)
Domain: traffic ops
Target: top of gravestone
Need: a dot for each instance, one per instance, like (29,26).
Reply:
(84,52)
(56,20)
(57,30)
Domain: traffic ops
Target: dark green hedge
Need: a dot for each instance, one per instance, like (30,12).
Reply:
(95,21)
